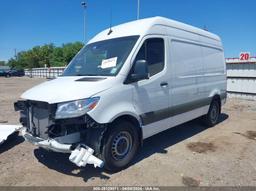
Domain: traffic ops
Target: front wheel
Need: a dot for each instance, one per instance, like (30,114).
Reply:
(212,117)
(120,145)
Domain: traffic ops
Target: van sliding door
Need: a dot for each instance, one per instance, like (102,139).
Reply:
(186,61)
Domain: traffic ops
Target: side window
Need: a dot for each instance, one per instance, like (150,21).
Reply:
(153,52)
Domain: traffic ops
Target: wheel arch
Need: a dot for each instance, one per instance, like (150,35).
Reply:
(217,98)
(216,95)
(132,119)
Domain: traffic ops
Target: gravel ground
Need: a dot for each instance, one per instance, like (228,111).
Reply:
(188,154)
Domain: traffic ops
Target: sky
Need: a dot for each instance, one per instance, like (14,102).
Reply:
(27,23)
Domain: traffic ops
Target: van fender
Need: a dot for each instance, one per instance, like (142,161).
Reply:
(215,92)
(108,114)
(222,95)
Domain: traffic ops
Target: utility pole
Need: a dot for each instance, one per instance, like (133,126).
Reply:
(138,9)
(84,6)
(15,53)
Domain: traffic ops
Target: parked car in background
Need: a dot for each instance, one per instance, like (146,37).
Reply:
(3,72)
(12,72)
(15,72)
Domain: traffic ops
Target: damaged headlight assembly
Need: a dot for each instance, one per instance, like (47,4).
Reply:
(75,108)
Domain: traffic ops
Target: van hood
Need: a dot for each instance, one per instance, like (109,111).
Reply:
(65,89)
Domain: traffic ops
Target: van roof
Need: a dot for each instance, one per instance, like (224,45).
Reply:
(143,26)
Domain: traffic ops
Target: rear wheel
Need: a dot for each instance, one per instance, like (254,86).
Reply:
(212,117)
(120,146)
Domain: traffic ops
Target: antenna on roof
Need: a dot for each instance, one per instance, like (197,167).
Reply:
(110,25)
(205,28)
(138,9)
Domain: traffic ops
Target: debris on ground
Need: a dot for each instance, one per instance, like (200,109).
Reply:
(201,147)
(7,130)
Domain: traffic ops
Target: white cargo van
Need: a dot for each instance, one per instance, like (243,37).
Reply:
(127,84)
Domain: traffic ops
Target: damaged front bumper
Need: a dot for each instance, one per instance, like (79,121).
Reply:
(80,136)
(81,155)
(49,144)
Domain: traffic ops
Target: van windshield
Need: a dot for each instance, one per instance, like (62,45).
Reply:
(104,58)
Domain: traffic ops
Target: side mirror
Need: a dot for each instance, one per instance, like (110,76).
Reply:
(140,71)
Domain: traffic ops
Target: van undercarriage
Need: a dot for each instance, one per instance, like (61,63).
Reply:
(80,136)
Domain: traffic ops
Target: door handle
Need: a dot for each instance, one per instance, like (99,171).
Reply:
(164,84)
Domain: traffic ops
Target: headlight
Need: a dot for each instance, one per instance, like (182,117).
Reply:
(75,108)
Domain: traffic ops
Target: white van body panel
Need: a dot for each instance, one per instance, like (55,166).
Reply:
(144,26)
(115,102)
(194,71)
(65,89)
(168,123)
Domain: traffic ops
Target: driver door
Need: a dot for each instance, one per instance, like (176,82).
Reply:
(151,96)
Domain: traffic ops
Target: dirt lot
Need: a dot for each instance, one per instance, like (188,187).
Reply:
(189,154)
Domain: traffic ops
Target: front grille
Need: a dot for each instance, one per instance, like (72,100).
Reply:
(39,119)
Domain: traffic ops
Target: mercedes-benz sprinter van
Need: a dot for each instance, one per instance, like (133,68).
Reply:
(127,84)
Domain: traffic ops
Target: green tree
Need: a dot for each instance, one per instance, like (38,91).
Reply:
(47,55)
(70,50)
(57,58)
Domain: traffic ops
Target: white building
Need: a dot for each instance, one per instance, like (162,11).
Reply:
(241,75)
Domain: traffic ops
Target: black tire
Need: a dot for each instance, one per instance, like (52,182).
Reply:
(120,145)
(212,117)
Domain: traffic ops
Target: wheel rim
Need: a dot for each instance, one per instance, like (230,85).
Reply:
(121,145)
(214,113)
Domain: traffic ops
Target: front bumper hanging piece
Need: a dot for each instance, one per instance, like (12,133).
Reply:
(83,155)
